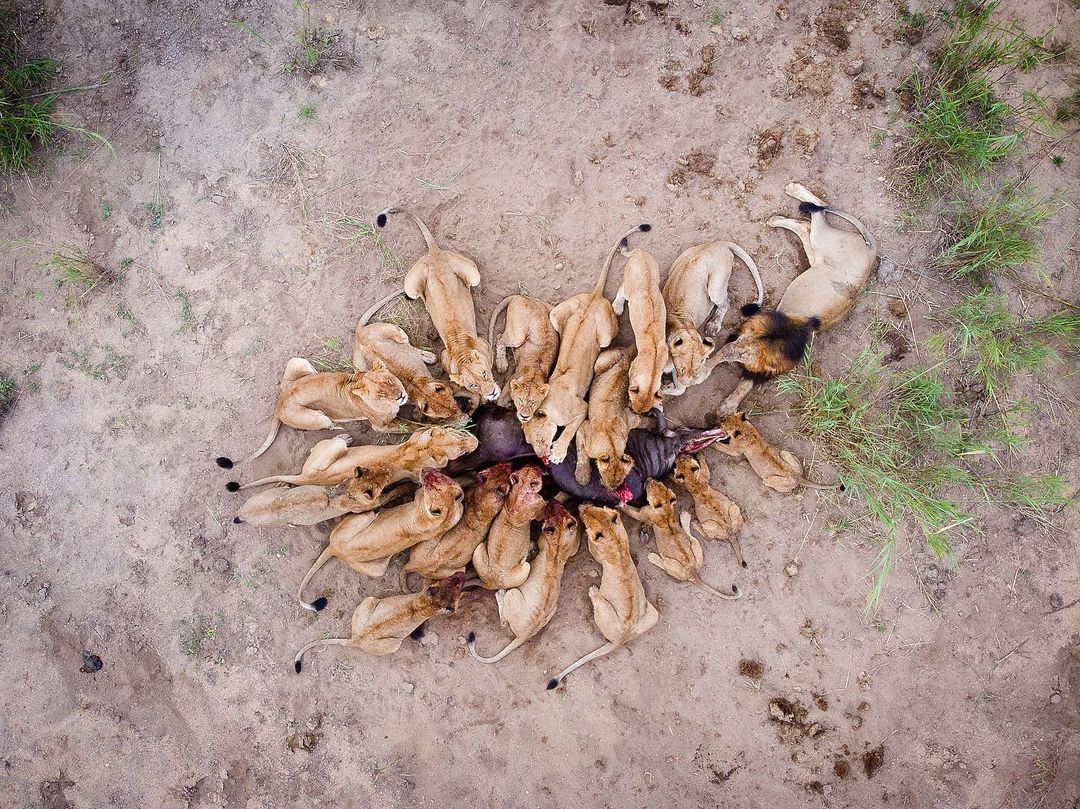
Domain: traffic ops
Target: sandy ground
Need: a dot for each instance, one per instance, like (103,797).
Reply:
(529,135)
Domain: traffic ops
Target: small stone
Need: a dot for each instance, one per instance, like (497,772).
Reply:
(558,265)
(221,565)
(791,569)
(376,32)
(782,12)
(739,34)
(429,639)
(863,679)
(888,271)
(898,309)
(318,81)
(1056,601)
(855,67)
(579,178)
(91,663)
(1055,698)
(408,688)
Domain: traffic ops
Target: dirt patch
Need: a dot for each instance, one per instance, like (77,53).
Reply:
(754,669)
(873,760)
(768,143)
(898,343)
(792,720)
(841,768)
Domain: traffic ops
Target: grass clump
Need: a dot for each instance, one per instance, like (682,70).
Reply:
(999,235)
(9,393)
(904,448)
(911,24)
(196,634)
(364,236)
(27,114)
(188,321)
(77,268)
(1000,345)
(308,112)
(102,370)
(960,127)
(333,356)
(315,50)
(896,445)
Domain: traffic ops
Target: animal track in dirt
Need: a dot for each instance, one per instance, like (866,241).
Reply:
(754,669)
(698,161)
(792,720)
(769,143)
(872,760)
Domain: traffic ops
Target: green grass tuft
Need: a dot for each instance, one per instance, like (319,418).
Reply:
(308,112)
(366,237)
(1001,345)
(315,50)
(76,268)
(897,447)
(27,114)
(9,393)
(960,127)
(996,236)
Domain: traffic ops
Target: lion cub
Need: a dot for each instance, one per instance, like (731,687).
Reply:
(648,316)
(621,610)
(314,400)
(366,542)
(778,469)
(500,560)
(717,517)
(441,557)
(529,608)
(388,345)
(443,280)
(529,332)
(380,625)
(679,552)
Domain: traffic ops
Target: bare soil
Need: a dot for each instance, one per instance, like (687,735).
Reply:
(529,135)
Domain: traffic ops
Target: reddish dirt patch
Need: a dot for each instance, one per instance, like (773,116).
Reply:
(754,669)
(769,143)
(873,760)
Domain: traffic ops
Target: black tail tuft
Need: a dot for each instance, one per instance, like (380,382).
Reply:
(319,604)
(225,463)
(553,683)
(624,243)
(298,665)
(237,520)
(843,488)
(810,207)
(417,633)
(750,309)
(814,323)
(232,486)
(380,220)
(472,637)
(744,565)
(645,228)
